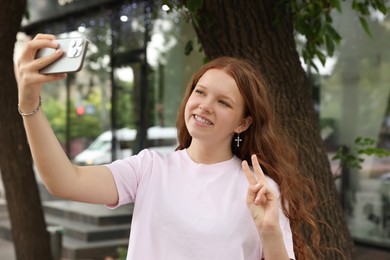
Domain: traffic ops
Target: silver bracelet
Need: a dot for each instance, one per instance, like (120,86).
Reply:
(32,112)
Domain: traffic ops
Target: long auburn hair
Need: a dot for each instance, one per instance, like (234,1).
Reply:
(264,138)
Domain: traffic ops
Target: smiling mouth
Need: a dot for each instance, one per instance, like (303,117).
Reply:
(202,120)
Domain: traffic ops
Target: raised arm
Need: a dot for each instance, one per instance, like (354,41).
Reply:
(93,184)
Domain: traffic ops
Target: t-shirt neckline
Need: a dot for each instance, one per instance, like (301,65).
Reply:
(224,164)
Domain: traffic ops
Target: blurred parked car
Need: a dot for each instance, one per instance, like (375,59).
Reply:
(161,139)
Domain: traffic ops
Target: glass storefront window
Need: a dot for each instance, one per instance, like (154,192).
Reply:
(355,101)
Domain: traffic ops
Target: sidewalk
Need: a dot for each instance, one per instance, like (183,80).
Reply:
(6,250)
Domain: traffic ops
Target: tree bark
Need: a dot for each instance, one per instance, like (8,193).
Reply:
(30,238)
(247,29)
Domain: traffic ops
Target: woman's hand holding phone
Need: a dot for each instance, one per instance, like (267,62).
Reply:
(28,66)
(74,50)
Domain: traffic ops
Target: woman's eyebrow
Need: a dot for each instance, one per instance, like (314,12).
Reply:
(200,85)
(223,96)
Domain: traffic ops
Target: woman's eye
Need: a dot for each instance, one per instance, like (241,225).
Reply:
(198,91)
(224,103)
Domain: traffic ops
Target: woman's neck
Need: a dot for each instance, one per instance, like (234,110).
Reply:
(207,154)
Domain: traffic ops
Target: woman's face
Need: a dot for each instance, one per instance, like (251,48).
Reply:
(215,109)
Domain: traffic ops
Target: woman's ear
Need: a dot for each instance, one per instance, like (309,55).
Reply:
(244,125)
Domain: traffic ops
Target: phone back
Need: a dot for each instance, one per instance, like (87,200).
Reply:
(71,61)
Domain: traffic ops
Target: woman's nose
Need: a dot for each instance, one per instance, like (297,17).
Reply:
(206,106)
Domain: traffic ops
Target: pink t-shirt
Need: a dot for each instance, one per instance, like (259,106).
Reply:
(185,210)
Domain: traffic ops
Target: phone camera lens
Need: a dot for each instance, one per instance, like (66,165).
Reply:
(73,43)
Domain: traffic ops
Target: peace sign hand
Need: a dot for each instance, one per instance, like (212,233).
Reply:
(261,200)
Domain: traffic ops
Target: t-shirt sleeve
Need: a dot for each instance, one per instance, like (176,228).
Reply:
(127,175)
(284,222)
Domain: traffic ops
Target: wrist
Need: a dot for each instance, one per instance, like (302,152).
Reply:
(28,97)
(28,110)
(273,243)
(270,232)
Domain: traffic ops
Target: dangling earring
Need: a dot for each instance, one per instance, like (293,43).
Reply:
(238,139)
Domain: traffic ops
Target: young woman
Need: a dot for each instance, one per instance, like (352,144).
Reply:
(209,199)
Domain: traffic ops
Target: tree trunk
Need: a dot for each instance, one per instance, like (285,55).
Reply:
(31,240)
(247,29)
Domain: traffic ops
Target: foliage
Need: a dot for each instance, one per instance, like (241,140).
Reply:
(352,156)
(56,114)
(96,62)
(190,14)
(53,108)
(312,19)
(89,124)
(122,253)
(125,104)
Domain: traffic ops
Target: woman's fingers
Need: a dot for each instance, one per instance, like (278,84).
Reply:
(251,193)
(36,44)
(28,66)
(261,194)
(248,173)
(257,193)
(258,190)
(256,184)
(45,36)
(259,174)
(44,61)
(28,72)
(27,57)
(257,168)
(30,79)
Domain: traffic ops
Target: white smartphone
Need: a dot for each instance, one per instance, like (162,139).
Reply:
(71,61)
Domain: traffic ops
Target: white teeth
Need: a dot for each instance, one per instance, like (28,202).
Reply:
(202,120)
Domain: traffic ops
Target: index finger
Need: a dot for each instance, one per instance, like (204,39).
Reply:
(256,166)
(39,42)
(45,36)
(248,173)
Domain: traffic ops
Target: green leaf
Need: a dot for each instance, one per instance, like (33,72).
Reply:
(330,47)
(336,4)
(354,5)
(189,47)
(363,8)
(364,24)
(333,33)
(382,7)
(321,56)
(364,141)
(362,146)
(313,65)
